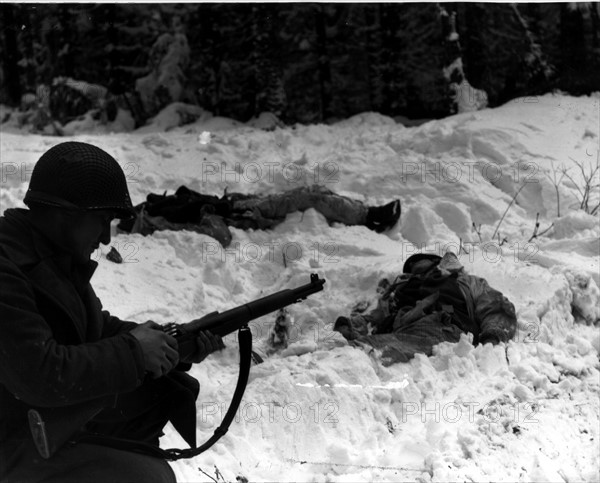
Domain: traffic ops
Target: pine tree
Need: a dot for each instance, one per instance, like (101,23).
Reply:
(373,40)
(323,62)
(314,62)
(267,74)
(11,93)
(349,61)
(299,51)
(536,65)
(463,96)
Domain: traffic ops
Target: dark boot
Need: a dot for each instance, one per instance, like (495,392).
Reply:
(381,218)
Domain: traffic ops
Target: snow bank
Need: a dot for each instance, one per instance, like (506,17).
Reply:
(321,410)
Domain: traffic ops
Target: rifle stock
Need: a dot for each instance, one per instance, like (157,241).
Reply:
(53,427)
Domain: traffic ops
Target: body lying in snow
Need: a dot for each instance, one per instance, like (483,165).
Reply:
(211,215)
(433,301)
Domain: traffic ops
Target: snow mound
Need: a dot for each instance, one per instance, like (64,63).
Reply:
(321,410)
(367,119)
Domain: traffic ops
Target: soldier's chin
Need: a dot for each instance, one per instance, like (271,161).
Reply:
(83,256)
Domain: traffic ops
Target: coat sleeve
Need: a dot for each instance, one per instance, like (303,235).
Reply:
(375,317)
(38,370)
(114,326)
(494,313)
(111,325)
(359,324)
(380,319)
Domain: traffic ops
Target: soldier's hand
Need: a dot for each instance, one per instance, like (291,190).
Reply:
(206,343)
(159,349)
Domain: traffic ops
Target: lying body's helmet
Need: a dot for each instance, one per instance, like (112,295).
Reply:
(75,175)
(417,257)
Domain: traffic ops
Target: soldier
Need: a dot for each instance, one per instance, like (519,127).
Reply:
(211,215)
(60,348)
(434,300)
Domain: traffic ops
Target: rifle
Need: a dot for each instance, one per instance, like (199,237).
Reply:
(51,428)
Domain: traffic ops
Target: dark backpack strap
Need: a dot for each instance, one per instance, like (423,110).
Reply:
(245,341)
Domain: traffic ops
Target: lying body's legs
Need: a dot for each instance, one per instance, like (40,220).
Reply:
(334,207)
(402,345)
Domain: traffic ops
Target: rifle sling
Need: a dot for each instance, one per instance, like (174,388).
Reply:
(245,341)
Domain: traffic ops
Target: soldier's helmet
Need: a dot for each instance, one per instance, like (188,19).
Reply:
(76,175)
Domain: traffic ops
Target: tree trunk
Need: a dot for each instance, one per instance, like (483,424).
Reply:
(538,69)
(11,58)
(595,13)
(323,62)
(373,51)
(464,97)
(28,39)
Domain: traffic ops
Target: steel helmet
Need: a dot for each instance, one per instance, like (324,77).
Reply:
(75,175)
(417,257)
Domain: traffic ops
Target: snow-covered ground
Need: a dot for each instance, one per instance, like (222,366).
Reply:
(321,410)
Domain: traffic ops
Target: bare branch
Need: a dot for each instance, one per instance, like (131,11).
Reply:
(202,471)
(477,230)
(556,182)
(537,226)
(587,184)
(507,208)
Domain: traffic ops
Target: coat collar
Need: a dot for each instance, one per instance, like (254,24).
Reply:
(25,245)
(51,271)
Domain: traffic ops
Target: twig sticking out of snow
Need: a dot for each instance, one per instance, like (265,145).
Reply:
(477,229)
(537,226)
(204,472)
(588,185)
(507,208)
(555,182)
(218,475)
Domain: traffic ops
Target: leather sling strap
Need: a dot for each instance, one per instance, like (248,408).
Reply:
(245,342)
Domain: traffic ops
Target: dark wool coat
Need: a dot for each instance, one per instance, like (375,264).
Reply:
(57,346)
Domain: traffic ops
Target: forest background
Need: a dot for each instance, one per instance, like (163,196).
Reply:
(303,62)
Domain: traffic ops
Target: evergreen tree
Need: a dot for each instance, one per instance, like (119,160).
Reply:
(323,62)
(10,92)
(307,61)
(463,96)
(269,90)
(298,36)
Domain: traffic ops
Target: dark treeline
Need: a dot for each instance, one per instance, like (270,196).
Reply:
(307,62)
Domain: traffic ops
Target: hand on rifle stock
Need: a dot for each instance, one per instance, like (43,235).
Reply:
(159,349)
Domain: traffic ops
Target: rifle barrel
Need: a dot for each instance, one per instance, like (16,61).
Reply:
(225,323)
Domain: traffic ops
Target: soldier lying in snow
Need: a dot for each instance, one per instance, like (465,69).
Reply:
(211,215)
(433,301)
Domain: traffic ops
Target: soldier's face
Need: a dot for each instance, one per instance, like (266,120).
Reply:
(85,231)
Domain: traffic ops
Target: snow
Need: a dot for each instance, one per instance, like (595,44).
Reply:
(321,410)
